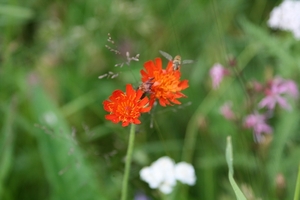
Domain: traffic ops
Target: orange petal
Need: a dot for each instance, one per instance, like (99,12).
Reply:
(184,84)
(107,105)
(170,66)
(130,92)
(158,62)
(136,121)
(151,102)
(143,102)
(149,66)
(162,102)
(175,101)
(112,117)
(146,109)
(125,123)
(144,75)
(139,94)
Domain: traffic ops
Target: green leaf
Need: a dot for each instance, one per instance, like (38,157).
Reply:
(229,158)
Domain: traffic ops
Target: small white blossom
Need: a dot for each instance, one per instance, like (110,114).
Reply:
(286,17)
(160,175)
(163,173)
(185,173)
(147,175)
(167,187)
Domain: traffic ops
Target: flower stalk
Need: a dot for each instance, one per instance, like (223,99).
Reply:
(128,163)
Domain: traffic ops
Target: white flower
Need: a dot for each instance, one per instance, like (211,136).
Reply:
(160,175)
(166,187)
(286,17)
(147,175)
(185,173)
(163,173)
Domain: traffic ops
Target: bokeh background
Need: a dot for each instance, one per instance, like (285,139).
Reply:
(54,140)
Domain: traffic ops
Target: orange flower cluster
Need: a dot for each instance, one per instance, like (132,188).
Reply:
(162,84)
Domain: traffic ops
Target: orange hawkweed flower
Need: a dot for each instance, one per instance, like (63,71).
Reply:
(126,107)
(166,85)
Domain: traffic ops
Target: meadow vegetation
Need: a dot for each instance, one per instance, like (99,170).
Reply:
(55,142)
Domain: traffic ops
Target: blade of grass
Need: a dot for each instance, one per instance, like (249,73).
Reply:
(6,145)
(229,158)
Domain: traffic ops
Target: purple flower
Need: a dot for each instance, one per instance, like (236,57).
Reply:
(271,99)
(141,196)
(217,72)
(275,91)
(258,123)
(290,87)
(226,111)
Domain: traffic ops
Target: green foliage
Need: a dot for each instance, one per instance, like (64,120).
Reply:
(54,140)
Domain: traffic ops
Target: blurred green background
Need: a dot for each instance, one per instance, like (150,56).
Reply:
(54,140)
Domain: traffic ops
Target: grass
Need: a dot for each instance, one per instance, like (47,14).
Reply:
(55,142)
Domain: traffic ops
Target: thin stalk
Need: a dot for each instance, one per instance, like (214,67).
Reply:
(297,189)
(128,163)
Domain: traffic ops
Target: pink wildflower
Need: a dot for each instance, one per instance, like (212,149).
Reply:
(226,111)
(217,72)
(274,93)
(258,123)
(290,87)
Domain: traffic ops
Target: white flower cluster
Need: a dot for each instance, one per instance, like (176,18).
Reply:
(164,173)
(286,17)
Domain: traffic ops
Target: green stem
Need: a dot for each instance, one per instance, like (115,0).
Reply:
(128,162)
(297,189)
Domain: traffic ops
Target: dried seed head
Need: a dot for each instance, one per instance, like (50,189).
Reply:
(102,76)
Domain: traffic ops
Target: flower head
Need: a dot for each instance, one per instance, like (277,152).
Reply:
(217,72)
(185,173)
(258,123)
(166,85)
(286,17)
(163,173)
(275,90)
(126,107)
(160,175)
